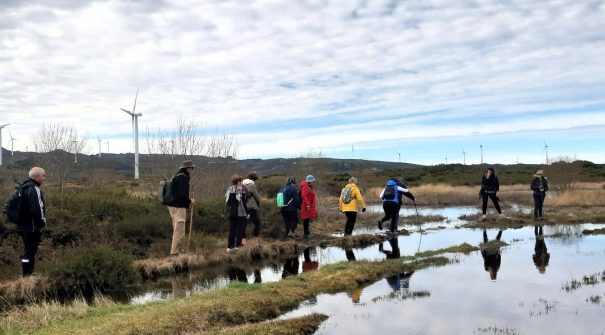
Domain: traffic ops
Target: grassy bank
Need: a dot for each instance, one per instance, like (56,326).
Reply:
(218,311)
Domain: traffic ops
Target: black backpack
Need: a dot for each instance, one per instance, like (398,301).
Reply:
(12,205)
(165,191)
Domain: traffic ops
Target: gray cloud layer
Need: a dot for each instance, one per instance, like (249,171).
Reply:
(429,66)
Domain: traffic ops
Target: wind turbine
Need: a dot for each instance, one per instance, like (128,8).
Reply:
(445,159)
(75,143)
(12,144)
(481,146)
(463,157)
(546,151)
(135,134)
(2,126)
(98,139)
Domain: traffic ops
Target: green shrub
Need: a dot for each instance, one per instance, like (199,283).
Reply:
(89,269)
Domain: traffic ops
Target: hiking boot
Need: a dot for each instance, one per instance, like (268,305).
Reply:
(380,224)
(483,217)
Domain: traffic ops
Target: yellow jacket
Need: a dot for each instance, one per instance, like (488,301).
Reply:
(356,200)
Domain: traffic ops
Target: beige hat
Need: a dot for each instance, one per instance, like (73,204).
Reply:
(187,164)
(540,172)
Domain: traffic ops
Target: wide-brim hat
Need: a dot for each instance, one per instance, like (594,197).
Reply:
(187,164)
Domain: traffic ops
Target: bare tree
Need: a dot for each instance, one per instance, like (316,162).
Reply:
(563,173)
(58,144)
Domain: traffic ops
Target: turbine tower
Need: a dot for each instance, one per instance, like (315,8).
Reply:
(463,157)
(75,142)
(98,139)
(135,134)
(12,144)
(546,151)
(2,126)
(481,146)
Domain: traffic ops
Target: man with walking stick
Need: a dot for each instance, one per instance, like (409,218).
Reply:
(178,207)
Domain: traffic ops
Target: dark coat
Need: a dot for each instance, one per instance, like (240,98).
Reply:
(32,218)
(490,185)
(537,183)
(291,198)
(180,189)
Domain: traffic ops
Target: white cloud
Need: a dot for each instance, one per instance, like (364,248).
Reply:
(232,66)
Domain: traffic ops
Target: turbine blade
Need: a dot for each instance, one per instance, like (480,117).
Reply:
(135,101)
(129,112)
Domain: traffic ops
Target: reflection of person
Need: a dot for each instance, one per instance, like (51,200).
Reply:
(489,189)
(491,255)
(350,254)
(394,252)
(308,208)
(238,274)
(257,277)
(355,295)
(32,218)
(392,199)
(253,203)
(290,267)
(349,202)
(309,265)
(541,255)
(178,208)
(539,185)
(400,280)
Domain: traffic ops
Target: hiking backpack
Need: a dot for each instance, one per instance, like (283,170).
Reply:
(390,191)
(281,198)
(165,191)
(346,195)
(12,205)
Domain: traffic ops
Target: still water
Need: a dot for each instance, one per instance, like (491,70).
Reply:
(519,289)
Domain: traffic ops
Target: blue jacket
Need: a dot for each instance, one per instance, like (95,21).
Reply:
(291,198)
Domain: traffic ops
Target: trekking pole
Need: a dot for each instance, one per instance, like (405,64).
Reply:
(419,225)
(190,220)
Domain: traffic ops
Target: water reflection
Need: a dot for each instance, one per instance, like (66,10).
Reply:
(257,276)
(237,274)
(308,264)
(490,250)
(290,267)
(394,252)
(349,254)
(541,255)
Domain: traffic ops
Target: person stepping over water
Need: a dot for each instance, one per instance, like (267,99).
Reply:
(392,199)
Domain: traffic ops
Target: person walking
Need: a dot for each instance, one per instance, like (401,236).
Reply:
(178,208)
(539,185)
(291,206)
(489,189)
(32,218)
(308,209)
(392,199)
(236,211)
(349,202)
(253,203)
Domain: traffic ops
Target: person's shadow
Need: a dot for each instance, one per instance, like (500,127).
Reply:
(541,255)
(290,267)
(394,252)
(490,250)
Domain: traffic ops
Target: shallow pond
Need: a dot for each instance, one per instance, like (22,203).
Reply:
(529,289)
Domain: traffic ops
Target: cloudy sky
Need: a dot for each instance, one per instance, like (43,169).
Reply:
(416,81)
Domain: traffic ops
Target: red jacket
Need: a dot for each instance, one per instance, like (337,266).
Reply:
(307,209)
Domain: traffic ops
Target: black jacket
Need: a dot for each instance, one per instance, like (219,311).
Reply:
(490,185)
(537,183)
(291,198)
(32,218)
(180,190)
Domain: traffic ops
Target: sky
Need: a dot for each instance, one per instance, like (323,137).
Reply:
(412,81)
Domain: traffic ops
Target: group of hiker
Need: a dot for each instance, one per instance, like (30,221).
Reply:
(242,204)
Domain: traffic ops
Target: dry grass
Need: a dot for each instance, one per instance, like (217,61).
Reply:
(25,289)
(576,197)
(297,326)
(36,315)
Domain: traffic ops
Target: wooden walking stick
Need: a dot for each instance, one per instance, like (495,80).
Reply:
(190,220)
